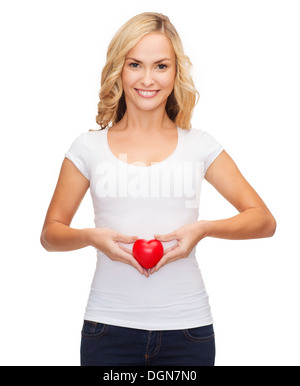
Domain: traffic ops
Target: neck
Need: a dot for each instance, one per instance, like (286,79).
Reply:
(146,121)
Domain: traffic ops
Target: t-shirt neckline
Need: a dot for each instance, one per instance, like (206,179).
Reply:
(154,164)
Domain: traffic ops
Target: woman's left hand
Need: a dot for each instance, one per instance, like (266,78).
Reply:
(187,238)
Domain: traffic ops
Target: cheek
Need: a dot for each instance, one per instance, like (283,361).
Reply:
(129,78)
(167,81)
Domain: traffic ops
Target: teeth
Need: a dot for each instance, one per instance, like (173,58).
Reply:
(147,93)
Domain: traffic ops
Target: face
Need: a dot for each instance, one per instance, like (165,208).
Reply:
(149,73)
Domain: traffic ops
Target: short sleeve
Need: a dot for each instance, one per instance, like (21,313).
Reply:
(211,149)
(78,154)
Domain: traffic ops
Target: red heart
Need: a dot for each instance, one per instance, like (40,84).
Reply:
(148,253)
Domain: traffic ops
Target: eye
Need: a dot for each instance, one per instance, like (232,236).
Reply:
(134,65)
(162,66)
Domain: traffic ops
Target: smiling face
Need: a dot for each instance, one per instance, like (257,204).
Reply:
(149,73)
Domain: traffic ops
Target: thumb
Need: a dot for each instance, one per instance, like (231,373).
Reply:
(168,237)
(126,239)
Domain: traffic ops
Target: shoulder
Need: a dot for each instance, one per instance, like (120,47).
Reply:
(198,136)
(202,145)
(87,141)
(92,135)
(192,132)
(90,139)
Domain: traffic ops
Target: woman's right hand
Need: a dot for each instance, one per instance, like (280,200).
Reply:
(106,240)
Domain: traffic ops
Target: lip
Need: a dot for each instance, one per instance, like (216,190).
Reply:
(146,96)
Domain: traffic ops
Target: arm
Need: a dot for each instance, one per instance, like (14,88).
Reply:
(57,235)
(254,220)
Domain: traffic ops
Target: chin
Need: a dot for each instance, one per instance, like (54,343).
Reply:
(149,104)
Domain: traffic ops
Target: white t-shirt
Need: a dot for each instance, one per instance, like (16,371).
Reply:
(140,200)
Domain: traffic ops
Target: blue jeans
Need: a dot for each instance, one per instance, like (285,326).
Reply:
(107,345)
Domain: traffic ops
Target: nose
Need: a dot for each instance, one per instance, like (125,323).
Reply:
(147,79)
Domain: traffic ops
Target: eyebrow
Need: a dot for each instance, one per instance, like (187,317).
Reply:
(158,61)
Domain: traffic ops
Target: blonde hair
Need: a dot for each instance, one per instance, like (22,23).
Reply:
(112,105)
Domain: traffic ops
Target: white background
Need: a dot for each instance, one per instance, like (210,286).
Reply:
(246,63)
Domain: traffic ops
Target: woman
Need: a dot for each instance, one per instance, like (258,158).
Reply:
(144,168)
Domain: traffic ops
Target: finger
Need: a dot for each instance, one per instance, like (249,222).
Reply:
(163,260)
(141,269)
(171,248)
(168,237)
(126,257)
(152,270)
(126,250)
(126,239)
(132,261)
(146,272)
(168,258)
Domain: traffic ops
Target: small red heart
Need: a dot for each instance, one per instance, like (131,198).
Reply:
(148,253)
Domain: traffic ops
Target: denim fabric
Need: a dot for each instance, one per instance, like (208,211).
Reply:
(107,345)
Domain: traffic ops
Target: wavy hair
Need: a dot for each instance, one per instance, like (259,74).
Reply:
(112,105)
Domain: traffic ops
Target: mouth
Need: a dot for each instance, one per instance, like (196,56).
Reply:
(147,93)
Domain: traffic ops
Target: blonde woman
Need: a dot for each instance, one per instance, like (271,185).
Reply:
(144,169)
